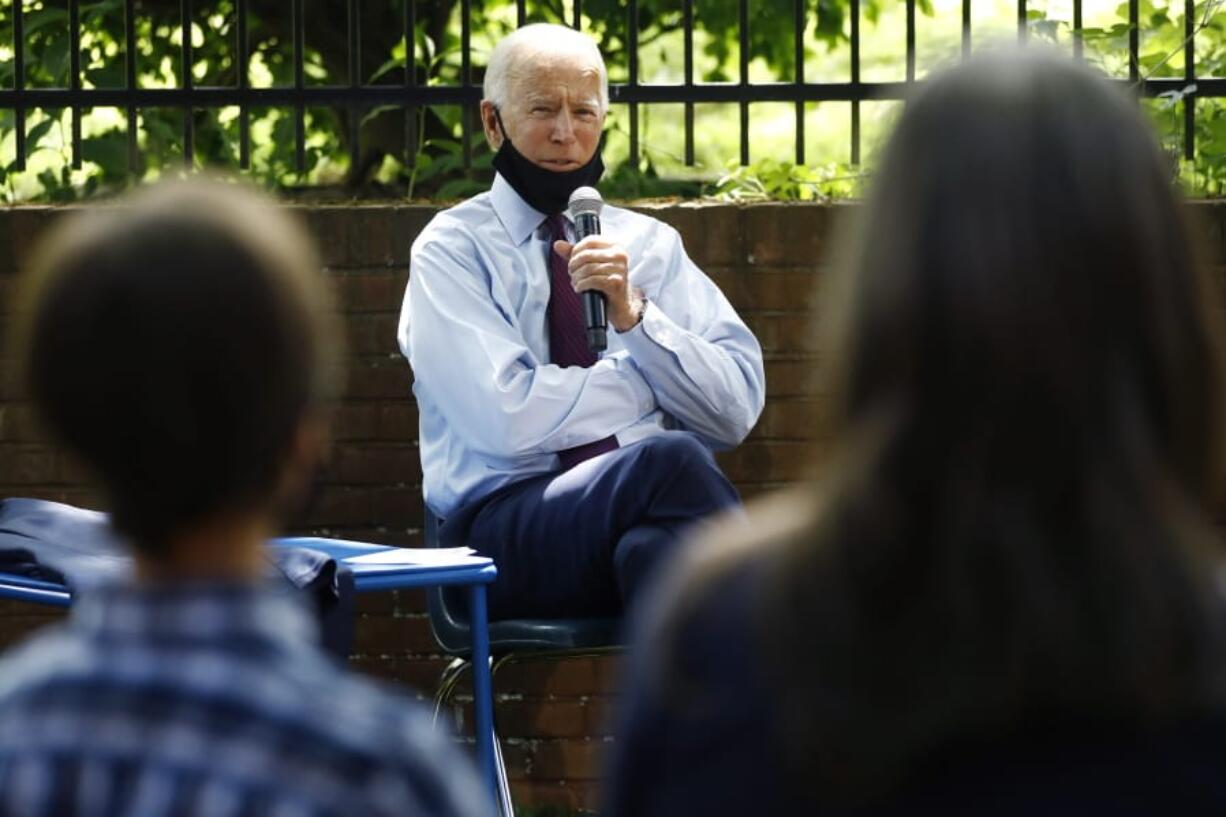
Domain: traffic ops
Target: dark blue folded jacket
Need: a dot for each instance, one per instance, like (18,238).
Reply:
(79,549)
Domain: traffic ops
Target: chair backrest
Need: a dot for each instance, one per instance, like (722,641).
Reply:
(448,616)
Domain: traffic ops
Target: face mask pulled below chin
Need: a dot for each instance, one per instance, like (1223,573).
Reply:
(547,191)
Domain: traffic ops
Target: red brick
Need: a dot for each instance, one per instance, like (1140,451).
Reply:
(712,233)
(8,291)
(542,718)
(391,602)
(10,388)
(358,236)
(763,461)
(567,795)
(378,290)
(20,229)
(397,537)
(372,333)
(364,463)
(781,291)
(793,418)
(600,715)
(788,333)
(558,677)
(399,506)
(418,675)
(346,505)
(731,282)
(385,376)
(568,759)
(411,601)
(786,234)
(382,635)
(381,602)
(18,424)
(517,755)
(393,421)
(26,464)
(796,377)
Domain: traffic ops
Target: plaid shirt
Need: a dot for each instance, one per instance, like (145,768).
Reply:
(211,700)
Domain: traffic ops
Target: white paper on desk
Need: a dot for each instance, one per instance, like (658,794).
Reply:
(440,557)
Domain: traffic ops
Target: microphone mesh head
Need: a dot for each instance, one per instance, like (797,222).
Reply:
(585,200)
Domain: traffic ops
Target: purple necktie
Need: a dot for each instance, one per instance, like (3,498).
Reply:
(567,334)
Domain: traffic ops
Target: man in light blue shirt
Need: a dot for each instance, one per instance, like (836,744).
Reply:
(577,475)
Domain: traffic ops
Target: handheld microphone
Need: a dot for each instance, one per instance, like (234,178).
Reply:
(585,205)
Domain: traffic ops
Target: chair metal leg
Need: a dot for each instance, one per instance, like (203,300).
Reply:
(447,683)
(449,680)
(504,784)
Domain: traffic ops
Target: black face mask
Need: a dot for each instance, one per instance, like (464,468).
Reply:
(547,191)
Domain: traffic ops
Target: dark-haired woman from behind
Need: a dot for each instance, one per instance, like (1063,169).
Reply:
(999,598)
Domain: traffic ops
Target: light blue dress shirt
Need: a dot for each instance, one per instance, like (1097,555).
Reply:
(493,409)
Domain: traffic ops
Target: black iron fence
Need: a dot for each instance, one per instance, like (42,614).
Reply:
(412,95)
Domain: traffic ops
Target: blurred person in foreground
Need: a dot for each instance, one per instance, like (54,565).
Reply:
(183,347)
(1002,596)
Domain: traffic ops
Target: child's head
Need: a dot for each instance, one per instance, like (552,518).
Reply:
(179,342)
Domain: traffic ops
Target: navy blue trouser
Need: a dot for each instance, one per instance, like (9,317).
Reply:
(585,542)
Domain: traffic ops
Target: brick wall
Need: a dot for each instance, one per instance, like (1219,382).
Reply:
(553,715)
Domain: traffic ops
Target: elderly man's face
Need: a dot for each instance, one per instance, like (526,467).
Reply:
(553,114)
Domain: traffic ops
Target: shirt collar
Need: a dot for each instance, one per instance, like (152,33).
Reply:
(203,613)
(518,217)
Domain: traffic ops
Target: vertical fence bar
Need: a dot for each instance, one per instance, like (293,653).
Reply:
(521,13)
(910,40)
(744,90)
(1134,41)
(855,82)
(966,28)
(1078,41)
(578,9)
(244,111)
(1022,29)
(632,56)
(296,22)
(410,81)
(19,80)
(185,56)
(129,33)
(688,12)
(466,79)
(799,57)
(1189,78)
(74,81)
(353,111)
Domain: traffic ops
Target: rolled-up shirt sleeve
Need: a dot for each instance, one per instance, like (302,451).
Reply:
(702,362)
(468,354)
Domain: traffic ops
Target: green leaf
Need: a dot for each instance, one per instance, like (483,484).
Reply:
(395,63)
(33,21)
(35,134)
(55,59)
(110,75)
(377,111)
(109,151)
(460,188)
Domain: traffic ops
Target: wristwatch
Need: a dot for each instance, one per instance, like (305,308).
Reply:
(640,308)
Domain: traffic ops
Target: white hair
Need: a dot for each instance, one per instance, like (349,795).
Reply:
(533,40)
